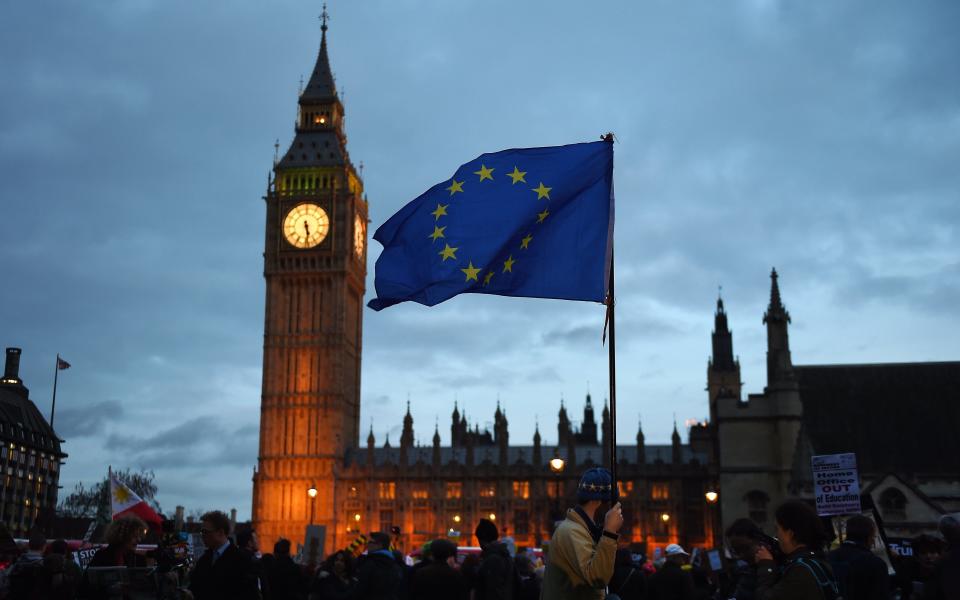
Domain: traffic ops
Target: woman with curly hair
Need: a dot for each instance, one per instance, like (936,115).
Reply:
(123,535)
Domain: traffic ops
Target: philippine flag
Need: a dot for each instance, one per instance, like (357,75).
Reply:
(124,502)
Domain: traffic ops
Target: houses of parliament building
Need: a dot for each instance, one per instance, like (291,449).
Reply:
(751,454)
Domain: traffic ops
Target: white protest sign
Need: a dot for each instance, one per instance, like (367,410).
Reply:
(836,484)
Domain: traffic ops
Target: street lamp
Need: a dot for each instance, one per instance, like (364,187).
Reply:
(711,496)
(556,465)
(312,492)
(665,517)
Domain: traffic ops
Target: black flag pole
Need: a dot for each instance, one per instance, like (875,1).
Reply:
(612,348)
(612,434)
(53,405)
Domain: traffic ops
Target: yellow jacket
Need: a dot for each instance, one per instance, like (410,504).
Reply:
(578,568)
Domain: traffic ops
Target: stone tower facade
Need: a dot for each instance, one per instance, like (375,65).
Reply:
(314,267)
(757,437)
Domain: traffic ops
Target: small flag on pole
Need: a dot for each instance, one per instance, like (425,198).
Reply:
(123,502)
(62,364)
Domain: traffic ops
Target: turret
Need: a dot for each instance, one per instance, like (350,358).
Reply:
(588,430)
(779,365)
(675,442)
(436,445)
(502,435)
(455,426)
(537,455)
(563,425)
(723,369)
(406,436)
(371,444)
(641,446)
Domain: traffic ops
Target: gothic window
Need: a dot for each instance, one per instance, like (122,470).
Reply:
(388,490)
(421,520)
(488,490)
(625,487)
(353,492)
(660,491)
(419,491)
(521,522)
(757,502)
(454,490)
(386,520)
(521,489)
(893,504)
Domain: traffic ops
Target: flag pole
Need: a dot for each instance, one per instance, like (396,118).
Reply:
(53,405)
(615,491)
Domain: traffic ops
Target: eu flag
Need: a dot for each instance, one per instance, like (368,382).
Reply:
(535,222)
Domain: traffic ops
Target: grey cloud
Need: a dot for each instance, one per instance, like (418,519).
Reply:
(77,422)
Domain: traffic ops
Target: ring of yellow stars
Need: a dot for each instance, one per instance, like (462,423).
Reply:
(541,217)
(456,186)
(542,191)
(121,495)
(448,252)
(471,272)
(437,233)
(508,264)
(517,175)
(440,212)
(487,278)
(484,173)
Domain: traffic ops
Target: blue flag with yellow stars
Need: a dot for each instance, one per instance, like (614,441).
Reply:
(533,222)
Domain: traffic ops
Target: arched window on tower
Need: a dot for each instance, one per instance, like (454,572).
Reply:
(893,504)
(757,503)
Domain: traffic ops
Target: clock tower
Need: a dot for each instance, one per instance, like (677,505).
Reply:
(314,267)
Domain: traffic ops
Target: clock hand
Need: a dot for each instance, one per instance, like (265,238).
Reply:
(306,227)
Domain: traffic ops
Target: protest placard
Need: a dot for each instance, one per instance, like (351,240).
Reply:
(836,484)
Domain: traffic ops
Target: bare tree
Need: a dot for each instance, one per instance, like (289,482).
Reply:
(94,501)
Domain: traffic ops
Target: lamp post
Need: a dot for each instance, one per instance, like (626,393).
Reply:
(556,465)
(712,496)
(312,492)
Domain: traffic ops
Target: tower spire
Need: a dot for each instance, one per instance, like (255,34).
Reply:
(321,84)
(779,364)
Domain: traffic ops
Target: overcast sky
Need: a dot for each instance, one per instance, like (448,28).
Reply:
(822,138)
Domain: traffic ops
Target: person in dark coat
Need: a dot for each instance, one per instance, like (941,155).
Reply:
(439,579)
(860,575)
(285,578)
(495,575)
(672,582)
(628,580)
(379,576)
(26,575)
(122,535)
(223,572)
(335,578)
(743,537)
(249,543)
(944,584)
(528,583)
(804,575)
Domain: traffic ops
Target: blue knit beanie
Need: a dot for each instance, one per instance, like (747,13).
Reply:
(594,485)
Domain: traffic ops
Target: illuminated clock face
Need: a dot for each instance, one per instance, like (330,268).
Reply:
(306,225)
(359,236)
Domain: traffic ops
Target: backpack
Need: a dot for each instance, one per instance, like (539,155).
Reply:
(825,580)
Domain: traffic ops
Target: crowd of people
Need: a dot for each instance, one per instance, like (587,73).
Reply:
(585,560)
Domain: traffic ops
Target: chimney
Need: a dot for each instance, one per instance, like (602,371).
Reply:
(11,371)
(178,519)
(233,520)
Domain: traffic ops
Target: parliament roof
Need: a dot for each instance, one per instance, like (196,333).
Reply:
(21,422)
(587,454)
(899,417)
